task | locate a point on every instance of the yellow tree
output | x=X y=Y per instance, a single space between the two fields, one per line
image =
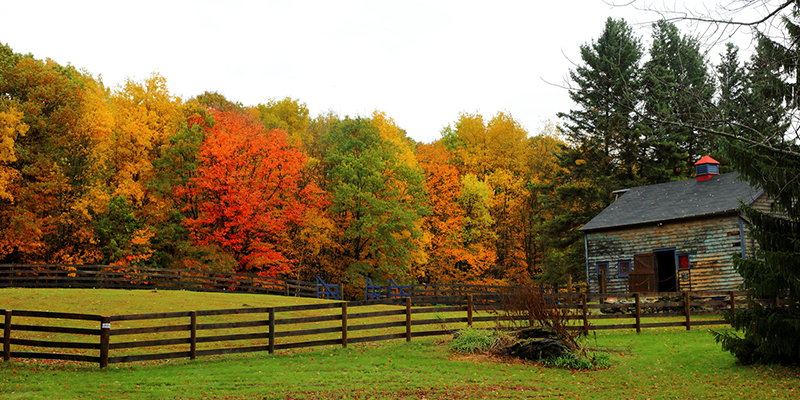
x=542 y=167
x=11 y=126
x=495 y=152
x=145 y=117
x=288 y=115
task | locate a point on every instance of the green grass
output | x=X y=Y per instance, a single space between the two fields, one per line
x=658 y=363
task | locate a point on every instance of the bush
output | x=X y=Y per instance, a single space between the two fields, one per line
x=472 y=340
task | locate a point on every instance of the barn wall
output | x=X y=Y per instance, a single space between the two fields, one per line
x=709 y=242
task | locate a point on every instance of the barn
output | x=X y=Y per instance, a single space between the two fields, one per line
x=674 y=236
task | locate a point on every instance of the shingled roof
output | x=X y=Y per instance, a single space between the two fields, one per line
x=675 y=200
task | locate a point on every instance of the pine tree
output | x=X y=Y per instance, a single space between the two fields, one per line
x=766 y=153
x=605 y=135
x=677 y=90
x=608 y=85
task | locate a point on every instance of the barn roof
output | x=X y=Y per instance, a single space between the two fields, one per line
x=675 y=200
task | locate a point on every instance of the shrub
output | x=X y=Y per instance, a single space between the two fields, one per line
x=530 y=304
x=472 y=340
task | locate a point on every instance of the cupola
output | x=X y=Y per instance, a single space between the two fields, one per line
x=705 y=168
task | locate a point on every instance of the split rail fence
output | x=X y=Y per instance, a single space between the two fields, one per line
x=190 y=334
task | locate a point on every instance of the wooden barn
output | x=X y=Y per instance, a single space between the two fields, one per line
x=672 y=236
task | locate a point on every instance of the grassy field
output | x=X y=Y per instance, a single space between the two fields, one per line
x=658 y=363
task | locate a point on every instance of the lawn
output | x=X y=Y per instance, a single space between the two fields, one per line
x=658 y=363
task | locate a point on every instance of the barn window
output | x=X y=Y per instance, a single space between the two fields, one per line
x=683 y=261
x=624 y=268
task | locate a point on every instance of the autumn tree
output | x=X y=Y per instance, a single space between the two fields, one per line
x=495 y=152
x=145 y=117
x=53 y=164
x=447 y=255
x=248 y=193
x=287 y=114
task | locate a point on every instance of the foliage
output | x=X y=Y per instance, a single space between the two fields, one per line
x=764 y=110
x=48 y=179
x=472 y=340
x=377 y=200
x=678 y=88
x=580 y=363
x=249 y=193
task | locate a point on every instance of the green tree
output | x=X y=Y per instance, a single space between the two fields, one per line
x=764 y=146
x=288 y=115
x=377 y=200
x=605 y=150
x=677 y=89
x=607 y=94
x=770 y=104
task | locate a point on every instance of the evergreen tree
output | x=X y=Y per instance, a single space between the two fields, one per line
x=605 y=135
x=764 y=149
x=608 y=84
x=677 y=90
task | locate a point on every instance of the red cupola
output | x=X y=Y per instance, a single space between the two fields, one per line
x=706 y=168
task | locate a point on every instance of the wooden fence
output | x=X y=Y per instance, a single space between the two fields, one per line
x=120 y=277
x=115 y=339
x=191 y=334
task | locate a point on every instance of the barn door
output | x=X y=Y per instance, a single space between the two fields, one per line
x=642 y=279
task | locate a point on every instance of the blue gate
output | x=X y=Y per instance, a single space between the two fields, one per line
x=372 y=292
x=326 y=291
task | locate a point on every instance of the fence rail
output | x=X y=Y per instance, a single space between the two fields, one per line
x=190 y=334
x=121 y=277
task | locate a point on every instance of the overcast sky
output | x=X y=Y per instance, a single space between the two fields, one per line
x=421 y=62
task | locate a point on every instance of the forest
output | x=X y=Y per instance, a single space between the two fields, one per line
x=134 y=175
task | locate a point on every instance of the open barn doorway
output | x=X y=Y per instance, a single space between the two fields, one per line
x=666 y=270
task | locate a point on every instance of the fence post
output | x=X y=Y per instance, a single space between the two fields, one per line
x=193 y=335
x=7 y=336
x=686 y=303
x=344 y=324
x=638 y=312
x=733 y=302
x=105 y=331
x=341 y=292
x=469 y=310
x=408 y=319
x=585 y=310
x=271 y=347
x=286 y=284
x=569 y=289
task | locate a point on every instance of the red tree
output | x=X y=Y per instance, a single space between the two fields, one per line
x=249 y=193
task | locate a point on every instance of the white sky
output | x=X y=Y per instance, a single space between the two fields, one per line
x=421 y=62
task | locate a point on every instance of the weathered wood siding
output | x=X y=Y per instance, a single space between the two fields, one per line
x=710 y=243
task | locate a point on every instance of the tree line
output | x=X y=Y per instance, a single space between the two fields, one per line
x=134 y=175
